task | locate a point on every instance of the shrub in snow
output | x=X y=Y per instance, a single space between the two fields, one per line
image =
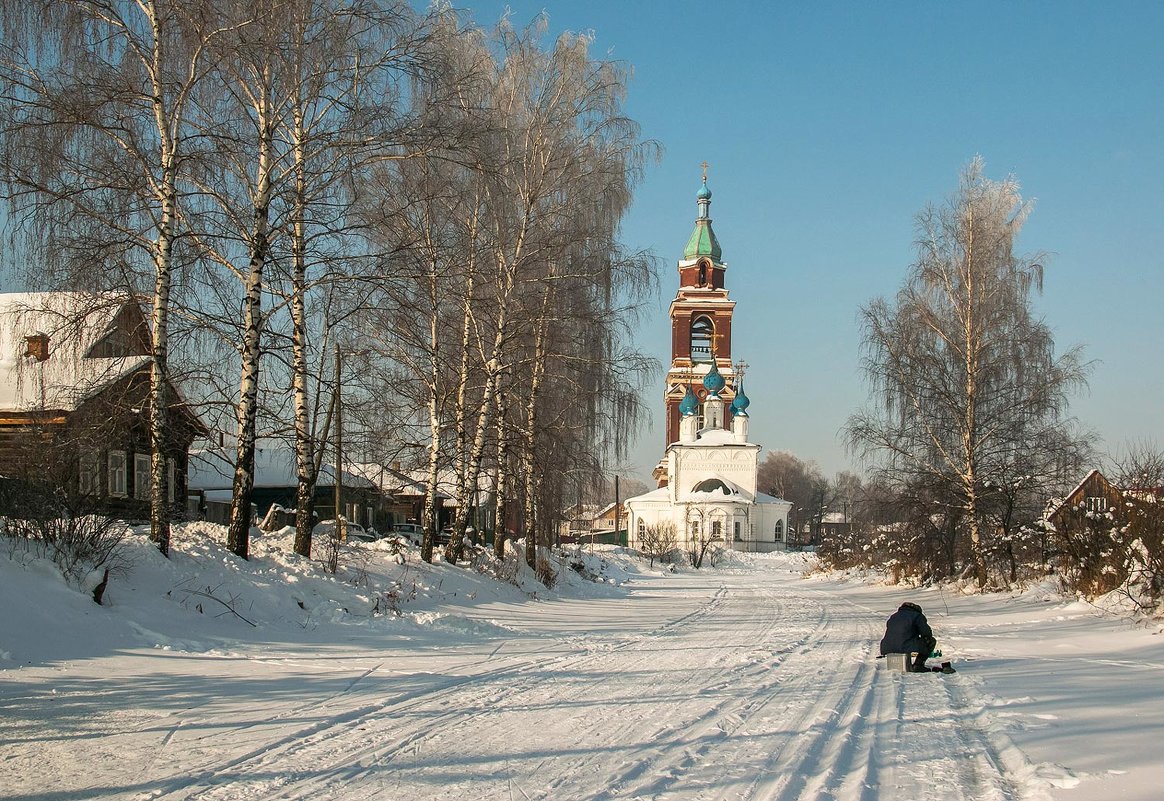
x=79 y=545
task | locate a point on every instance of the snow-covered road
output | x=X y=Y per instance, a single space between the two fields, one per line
x=746 y=683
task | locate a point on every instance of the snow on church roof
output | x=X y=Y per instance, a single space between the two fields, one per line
x=717 y=438
x=660 y=495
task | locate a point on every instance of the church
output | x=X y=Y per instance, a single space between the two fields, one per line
x=707 y=478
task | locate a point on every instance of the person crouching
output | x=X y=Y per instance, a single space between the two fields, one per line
x=908 y=630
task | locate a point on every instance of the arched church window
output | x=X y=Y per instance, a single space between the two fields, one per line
x=701 y=333
x=779 y=531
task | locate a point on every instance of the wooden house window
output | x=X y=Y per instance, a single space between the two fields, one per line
x=1096 y=503
x=117 y=475
x=88 y=481
x=141 y=476
x=171 y=480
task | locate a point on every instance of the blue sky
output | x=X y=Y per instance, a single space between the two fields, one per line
x=828 y=126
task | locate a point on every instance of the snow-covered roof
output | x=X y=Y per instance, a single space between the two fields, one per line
x=717 y=489
x=716 y=438
x=447 y=481
x=660 y=495
x=274 y=467
x=388 y=479
x=76 y=325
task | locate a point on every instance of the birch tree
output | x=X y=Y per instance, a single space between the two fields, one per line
x=343 y=61
x=569 y=160
x=963 y=375
x=96 y=102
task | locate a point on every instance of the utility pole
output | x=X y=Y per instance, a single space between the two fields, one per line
x=617 y=512
x=341 y=529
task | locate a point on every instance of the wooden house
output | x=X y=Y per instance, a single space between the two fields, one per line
x=1093 y=494
x=74 y=404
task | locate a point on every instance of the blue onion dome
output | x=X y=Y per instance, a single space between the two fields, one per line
x=689 y=405
x=704 y=193
x=741 y=403
x=713 y=382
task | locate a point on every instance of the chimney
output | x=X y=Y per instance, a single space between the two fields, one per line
x=37 y=346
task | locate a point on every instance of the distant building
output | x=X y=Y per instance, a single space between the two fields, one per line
x=707 y=477
x=276 y=484
x=1093 y=494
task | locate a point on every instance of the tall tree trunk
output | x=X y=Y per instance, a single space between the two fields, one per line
x=306 y=473
x=168 y=124
x=971 y=342
x=238 y=533
x=159 y=374
x=501 y=488
x=431 y=520
x=530 y=477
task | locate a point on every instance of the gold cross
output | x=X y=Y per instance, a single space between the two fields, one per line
x=704 y=166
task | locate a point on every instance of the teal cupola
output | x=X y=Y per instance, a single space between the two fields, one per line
x=703 y=241
x=713 y=382
x=740 y=403
x=689 y=405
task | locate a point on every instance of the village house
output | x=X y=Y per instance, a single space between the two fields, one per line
x=74 y=404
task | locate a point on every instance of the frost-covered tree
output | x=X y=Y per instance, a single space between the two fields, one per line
x=508 y=292
x=1141 y=478
x=964 y=377
x=94 y=123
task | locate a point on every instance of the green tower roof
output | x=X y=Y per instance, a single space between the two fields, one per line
x=703 y=241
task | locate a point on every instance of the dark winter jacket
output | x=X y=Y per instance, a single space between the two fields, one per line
x=906 y=631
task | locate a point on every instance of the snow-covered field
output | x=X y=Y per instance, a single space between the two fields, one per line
x=413 y=681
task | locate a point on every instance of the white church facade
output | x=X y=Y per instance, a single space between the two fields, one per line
x=708 y=475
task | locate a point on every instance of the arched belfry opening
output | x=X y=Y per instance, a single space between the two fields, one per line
x=702 y=338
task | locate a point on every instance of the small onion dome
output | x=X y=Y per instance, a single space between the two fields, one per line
x=689 y=405
x=713 y=382
x=704 y=193
x=741 y=403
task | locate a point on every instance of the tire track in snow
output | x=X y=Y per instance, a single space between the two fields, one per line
x=523 y=696
x=692 y=740
x=279 y=762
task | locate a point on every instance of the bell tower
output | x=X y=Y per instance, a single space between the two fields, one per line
x=701 y=323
